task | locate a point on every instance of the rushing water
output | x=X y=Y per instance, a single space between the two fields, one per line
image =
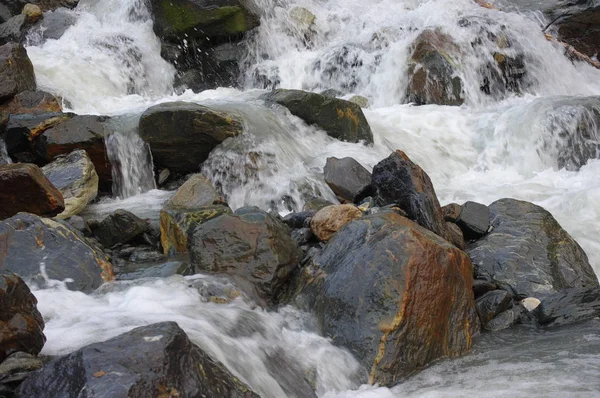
x=495 y=146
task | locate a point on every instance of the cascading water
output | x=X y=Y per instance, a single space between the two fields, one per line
x=4 y=158
x=536 y=142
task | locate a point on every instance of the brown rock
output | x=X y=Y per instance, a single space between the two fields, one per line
x=16 y=71
x=582 y=31
x=451 y=212
x=24 y=188
x=32 y=102
x=455 y=235
x=21 y=324
x=330 y=219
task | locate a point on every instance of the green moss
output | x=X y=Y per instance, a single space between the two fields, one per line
x=184 y=17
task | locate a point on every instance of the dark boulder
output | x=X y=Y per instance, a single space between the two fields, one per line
x=394 y=294
x=491 y=304
x=251 y=244
x=27 y=242
x=432 y=68
x=13 y=30
x=16 y=71
x=22 y=129
x=119 y=227
x=582 y=31
x=21 y=324
x=569 y=306
x=298 y=220
x=340 y=119
x=397 y=180
x=347 y=178
x=505 y=319
x=528 y=253
x=181 y=134
x=32 y=102
x=23 y=187
x=157 y=360
x=481 y=287
x=473 y=220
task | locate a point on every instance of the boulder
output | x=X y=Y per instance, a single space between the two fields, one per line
x=28 y=242
x=347 y=178
x=197 y=191
x=327 y=221
x=157 y=360
x=206 y=19
x=14 y=30
x=32 y=102
x=21 y=324
x=491 y=304
x=505 y=319
x=582 y=31
x=527 y=252
x=569 y=306
x=455 y=236
x=181 y=134
x=481 y=287
x=32 y=12
x=397 y=180
x=16 y=71
x=340 y=119
x=315 y=204
x=394 y=294
x=251 y=245
x=432 y=69
x=119 y=227
x=23 y=187
x=76 y=179
x=79 y=132
x=22 y=129
x=473 y=218
x=298 y=220
x=53 y=26
x=16 y=368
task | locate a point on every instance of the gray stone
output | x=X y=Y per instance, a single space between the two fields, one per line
x=569 y=306
x=491 y=304
x=474 y=220
x=119 y=227
x=16 y=71
x=347 y=178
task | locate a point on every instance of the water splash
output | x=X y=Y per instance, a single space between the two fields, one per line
x=4 y=158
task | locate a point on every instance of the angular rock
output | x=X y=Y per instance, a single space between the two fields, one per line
x=76 y=179
x=181 y=135
x=451 y=212
x=455 y=236
x=530 y=303
x=582 y=31
x=14 y=30
x=505 y=319
x=394 y=294
x=16 y=71
x=315 y=204
x=24 y=188
x=157 y=360
x=347 y=178
x=119 y=227
x=569 y=306
x=340 y=119
x=79 y=224
x=197 y=191
x=432 y=70
x=21 y=324
x=491 y=304
x=302 y=236
x=298 y=220
x=481 y=287
x=474 y=220
x=398 y=180
x=528 y=253
x=327 y=221
x=250 y=245
x=28 y=241
x=22 y=129
x=32 y=102
x=16 y=368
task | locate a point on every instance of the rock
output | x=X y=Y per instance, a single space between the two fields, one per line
x=451 y=212
x=22 y=129
x=302 y=17
x=79 y=224
x=157 y=360
x=302 y=236
x=14 y=30
x=16 y=71
x=76 y=179
x=23 y=187
x=315 y=204
x=181 y=135
x=569 y=306
x=21 y=324
x=582 y=31
x=26 y=241
x=474 y=220
x=79 y=132
x=481 y=287
x=298 y=220
x=338 y=118
x=394 y=294
x=432 y=68
x=163 y=176
x=32 y=102
x=197 y=191
x=178 y=224
x=359 y=100
x=53 y=26
x=32 y=12
x=15 y=369
x=398 y=180
x=347 y=178
x=250 y=245
x=528 y=253
x=491 y=304
x=505 y=320
x=455 y=236
x=327 y=221
x=530 y=303
x=119 y=227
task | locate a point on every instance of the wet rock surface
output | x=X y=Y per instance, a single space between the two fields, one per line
x=347 y=178
x=119 y=227
x=16 y=71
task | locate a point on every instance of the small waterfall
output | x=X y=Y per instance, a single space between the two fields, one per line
x=4 y=158
x=131 y=164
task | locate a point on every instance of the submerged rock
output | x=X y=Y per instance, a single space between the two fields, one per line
x=340 y=119
x=347 y=178
x=181 y=134
x=528 y=253
x=23 y=187
x=76 y=179
x=16 y=71
x=327 y=221
x=157 y=360
x=28 y=242
x=21 y=324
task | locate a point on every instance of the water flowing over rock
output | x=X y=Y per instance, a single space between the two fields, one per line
x=21 y=324
x=76 y=179
x=340 y=119
x=528 y=253
x=38 y=249
x=181 y=135
x=157 y=360
x=23 y=187
x=395 y=294
x=16 y=71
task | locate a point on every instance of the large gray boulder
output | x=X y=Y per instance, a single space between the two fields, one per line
x=16 y=71
x=347 y=178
